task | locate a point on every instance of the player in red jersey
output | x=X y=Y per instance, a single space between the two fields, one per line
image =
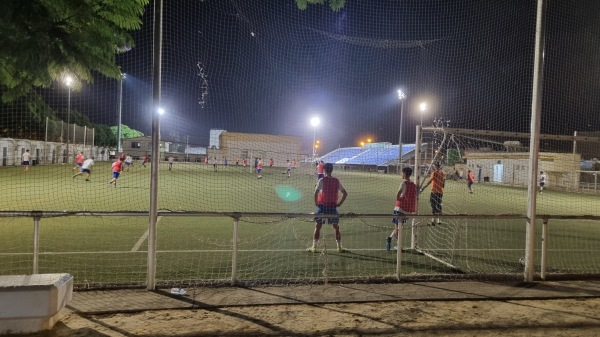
x=78 y=161
x=406 y=203
x=326 y=200
x=117 y=167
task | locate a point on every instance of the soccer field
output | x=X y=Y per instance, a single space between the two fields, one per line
x=112 y=250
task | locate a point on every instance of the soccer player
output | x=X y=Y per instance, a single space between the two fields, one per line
x=289 y=169
x=326 y=199
x=145 y=160
x=128 y=162
x=543 y=180
x=225 y=162
x=437 y=180
x=406 y=203
x=170 y=160
x=470 y=181
x=271 y=162
x=117 y=168
x=294 y=163
x=259 y=166
x=86 y=167
x=213 y=161
x=244 y=163
x=320 y=170
x=78 y=161
x=206 y=160
x=25 y=160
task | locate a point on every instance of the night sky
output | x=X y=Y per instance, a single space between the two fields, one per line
x=268 y=67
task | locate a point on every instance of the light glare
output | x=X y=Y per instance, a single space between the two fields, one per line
x=315 y=121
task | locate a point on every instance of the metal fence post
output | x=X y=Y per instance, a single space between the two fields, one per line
x=544 y=249
x=36 y=243
x=399 y=251
x=236 y=221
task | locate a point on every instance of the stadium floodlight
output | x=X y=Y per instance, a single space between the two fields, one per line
x=315 y=121
x=401 y=97
x=161 y=111
x=423 y=109
x=119 y=134
x=68 y=82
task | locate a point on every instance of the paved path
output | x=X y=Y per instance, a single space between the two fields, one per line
x=115 y=301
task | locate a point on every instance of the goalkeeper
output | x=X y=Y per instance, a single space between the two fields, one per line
x=406 y=202
x=437 y=179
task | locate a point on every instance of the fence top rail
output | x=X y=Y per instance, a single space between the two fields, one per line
x=237 y=215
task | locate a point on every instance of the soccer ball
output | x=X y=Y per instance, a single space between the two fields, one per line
x=522 y=261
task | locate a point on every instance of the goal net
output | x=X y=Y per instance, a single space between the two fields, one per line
x=486 y=174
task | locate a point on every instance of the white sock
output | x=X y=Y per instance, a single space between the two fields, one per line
x=315 y=243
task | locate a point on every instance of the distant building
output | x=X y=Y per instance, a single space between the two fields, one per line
x=235 y=145
x=512 y=168
x=138 y=147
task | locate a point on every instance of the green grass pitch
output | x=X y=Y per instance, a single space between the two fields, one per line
x=107 y=250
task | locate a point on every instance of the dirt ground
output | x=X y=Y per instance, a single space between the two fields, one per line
x=550 y=317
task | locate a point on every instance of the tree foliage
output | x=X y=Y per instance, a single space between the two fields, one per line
x=335 y=5
x=103 y=135
x=44 y=40
x=126 y=132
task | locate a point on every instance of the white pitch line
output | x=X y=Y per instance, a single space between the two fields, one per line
x=138 y=244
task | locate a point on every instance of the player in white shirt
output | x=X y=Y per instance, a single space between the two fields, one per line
x=543 y=180
x=26 y=159
x=128 y=162
x=86 y=167
x=171 y=159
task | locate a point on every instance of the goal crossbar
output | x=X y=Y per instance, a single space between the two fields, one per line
x=511 y=134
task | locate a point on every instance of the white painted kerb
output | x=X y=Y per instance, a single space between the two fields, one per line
x=31 y=303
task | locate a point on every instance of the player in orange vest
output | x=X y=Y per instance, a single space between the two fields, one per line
x=437 y=180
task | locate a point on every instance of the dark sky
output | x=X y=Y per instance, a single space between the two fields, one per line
x=268 y=67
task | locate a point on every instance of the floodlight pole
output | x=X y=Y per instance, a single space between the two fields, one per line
x=156 y=92
x=313 y=143
x=402 y=97
x=315 y=121
x=119 y=134
x=68 y=121
x=534 y=147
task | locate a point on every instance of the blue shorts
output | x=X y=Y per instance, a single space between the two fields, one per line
x=320 y=175
x=79 y=164
x=395 y=220
x=258 y=170
x=26 y=163
x=87 y=170
x=127 y=163
x=326 y=210
x=115 y=174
